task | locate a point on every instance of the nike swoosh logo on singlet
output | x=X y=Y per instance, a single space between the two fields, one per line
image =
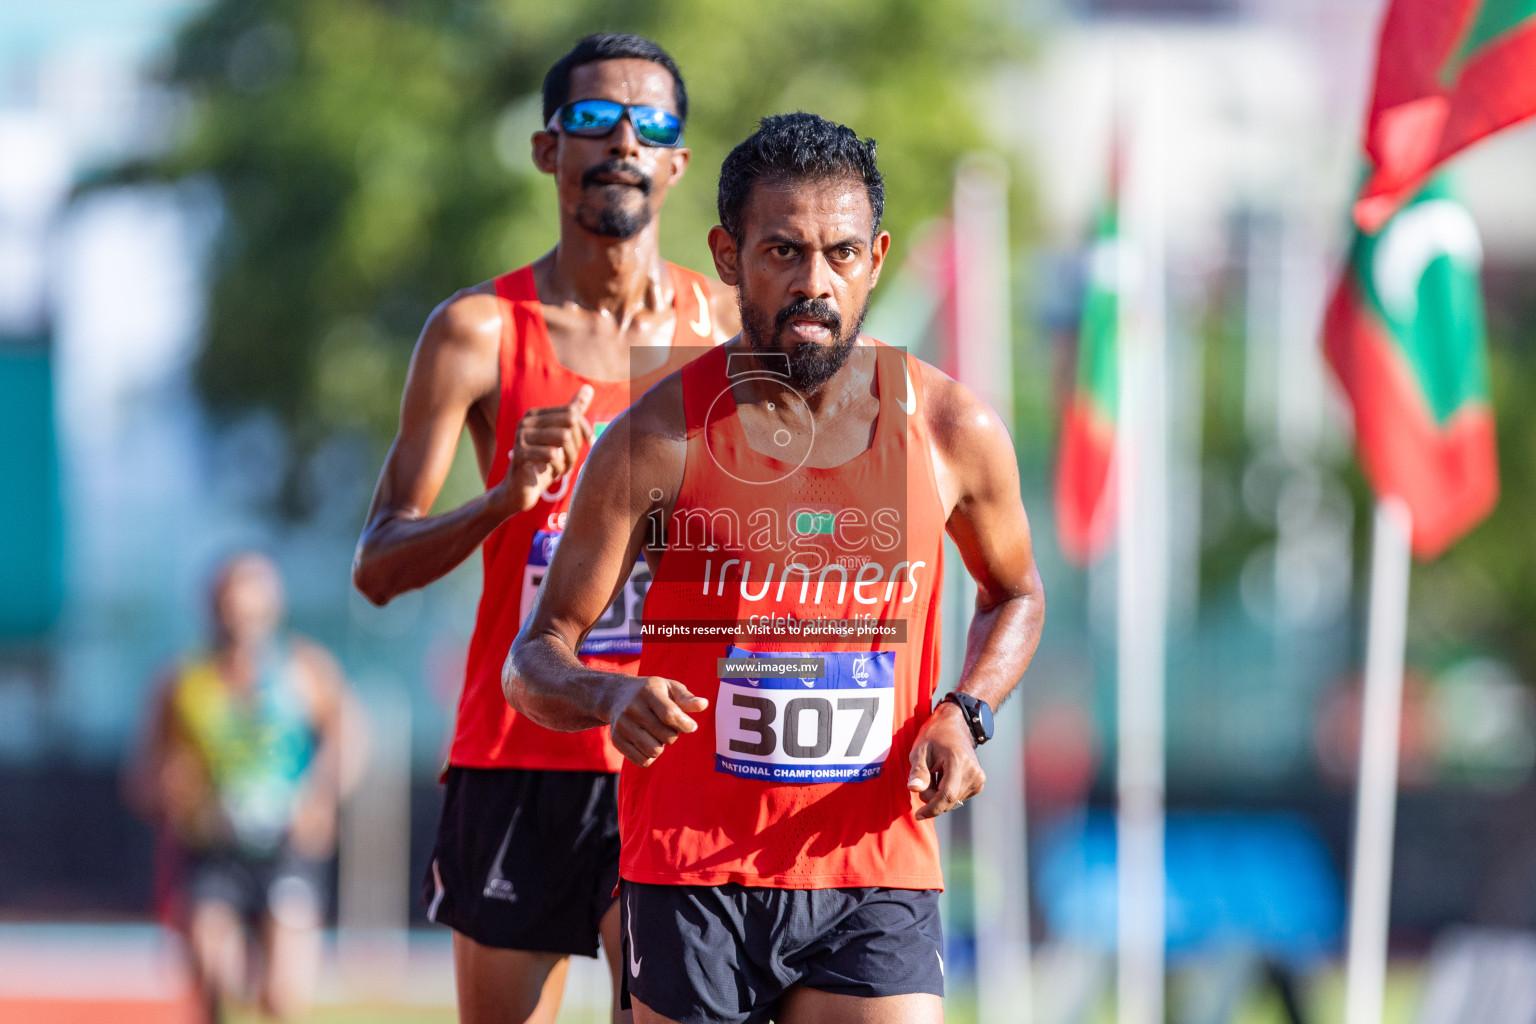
x=701 y=326
x=910 y=405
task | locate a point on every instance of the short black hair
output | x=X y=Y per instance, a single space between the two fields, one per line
x=608 y=46
x=797 y=147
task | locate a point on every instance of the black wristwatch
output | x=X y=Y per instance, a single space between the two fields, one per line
x=977 y=712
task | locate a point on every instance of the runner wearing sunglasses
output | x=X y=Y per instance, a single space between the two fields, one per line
x=535 y=363
x=595 y=119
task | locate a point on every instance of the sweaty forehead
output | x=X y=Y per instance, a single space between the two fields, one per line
x=827 y=209
x=626 y=80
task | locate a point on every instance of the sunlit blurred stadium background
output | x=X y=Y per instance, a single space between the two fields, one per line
x=222 y=224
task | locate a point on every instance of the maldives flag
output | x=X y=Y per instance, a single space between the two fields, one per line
x=1085 y=493
x=1404 y=333
x=1448 y=72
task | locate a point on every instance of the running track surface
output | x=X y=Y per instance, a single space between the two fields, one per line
x=52 y=973
x=97 y=1011
x=74 y=974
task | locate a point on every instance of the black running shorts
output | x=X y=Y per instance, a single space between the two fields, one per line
x=525 y=859
x=727 y=954
x=289 y=888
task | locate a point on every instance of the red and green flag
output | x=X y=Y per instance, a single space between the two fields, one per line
x=1405 y=335
x=1085 y=492
x=1448 y=72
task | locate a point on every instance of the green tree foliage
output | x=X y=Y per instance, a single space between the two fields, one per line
x=373 y=156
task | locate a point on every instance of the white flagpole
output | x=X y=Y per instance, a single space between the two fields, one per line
x=1376 y=800
x=374 y=849
x=1001 y=878
x=983 y=311
x=1142 y=478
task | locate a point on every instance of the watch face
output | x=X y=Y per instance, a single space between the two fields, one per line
x=984 y=717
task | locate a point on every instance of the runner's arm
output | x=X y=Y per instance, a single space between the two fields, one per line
x=142 y=770
x=341 y=729
x=991 y=530
x=988 y=524
x=167 y=782
x=340 y=750
x=610 y=512
x=456 y=366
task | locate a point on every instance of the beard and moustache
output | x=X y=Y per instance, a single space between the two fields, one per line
x=622 y=211
x=810 y=365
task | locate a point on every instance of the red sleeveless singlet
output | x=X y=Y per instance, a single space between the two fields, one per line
x=793 y=781
x=488 y=733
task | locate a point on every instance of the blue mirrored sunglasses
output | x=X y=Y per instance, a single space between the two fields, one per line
x=593 y=119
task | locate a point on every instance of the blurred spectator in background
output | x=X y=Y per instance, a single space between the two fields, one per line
x=241 y=767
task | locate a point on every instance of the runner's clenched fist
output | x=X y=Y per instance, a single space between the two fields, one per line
x=549 y=441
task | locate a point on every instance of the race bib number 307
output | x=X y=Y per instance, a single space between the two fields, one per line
x=820 y=716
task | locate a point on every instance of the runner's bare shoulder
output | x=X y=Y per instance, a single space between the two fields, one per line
x=973 y=448
x=460 y=344
x=955 y=415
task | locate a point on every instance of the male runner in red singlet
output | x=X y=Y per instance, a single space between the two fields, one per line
x=790 y=491
x=535 y=363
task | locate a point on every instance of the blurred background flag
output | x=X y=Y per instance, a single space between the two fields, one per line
x=1085 y=513
x=1449 y=72
x=1405 y=335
